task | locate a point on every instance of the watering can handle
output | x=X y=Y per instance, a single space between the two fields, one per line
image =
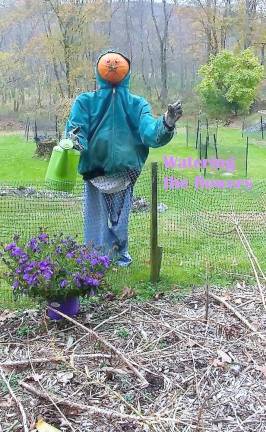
x=74 y=138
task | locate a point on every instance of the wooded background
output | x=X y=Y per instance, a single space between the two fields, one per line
x=48 y=48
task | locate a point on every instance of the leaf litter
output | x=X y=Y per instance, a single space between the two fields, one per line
x=204 y=373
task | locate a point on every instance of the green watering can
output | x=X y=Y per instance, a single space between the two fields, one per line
x=63 y=165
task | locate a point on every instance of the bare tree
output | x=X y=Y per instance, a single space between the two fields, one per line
x=163 y=38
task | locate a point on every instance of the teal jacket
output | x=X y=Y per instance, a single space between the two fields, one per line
x=117 y=129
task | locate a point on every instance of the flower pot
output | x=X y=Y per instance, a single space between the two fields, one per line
x=69 y=306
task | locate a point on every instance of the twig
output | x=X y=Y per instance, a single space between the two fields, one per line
x=48 y=396
x=23 y=414
x=98 y=326
x=247 y=249
x=111 y=318
x=28 y=362
x=94 y=409
x=106 y=344
x=238 y=315
x=251 y=252
x=251 y=256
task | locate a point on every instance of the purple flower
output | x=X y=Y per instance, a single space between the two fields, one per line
x=44 y=264
x=17 y=252
x=43 y=237
x=30 y=266
x=90 y=281
x=70 y=255
x=105 y=260
x=77 y=280
x=58 y=250
x=95 y=261
x=29 y=278
x=63 y=283
x=15 y=284
x=33 y=245
x=23 y=259
x=10 y=246
x=47 y=274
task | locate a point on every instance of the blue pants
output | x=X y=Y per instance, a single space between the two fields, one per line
x=106 y=219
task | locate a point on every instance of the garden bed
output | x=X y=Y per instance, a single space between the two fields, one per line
x=177 y=363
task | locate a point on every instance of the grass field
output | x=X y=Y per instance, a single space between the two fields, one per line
x=192 y=231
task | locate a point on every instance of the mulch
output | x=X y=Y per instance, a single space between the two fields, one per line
x=203 y=366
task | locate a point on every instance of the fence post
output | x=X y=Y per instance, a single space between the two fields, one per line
x=35 y=131
x=200 y=150
x=187 y=133
x=206 y=153
x=155 y=250
x=197 y=133
x=28 y=130
x=215 y=146
x=243 y=128
x=247 y=157
x=56 y=127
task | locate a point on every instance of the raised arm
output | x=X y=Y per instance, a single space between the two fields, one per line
x=157 y=132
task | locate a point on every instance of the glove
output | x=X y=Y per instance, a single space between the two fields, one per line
x=173 y=114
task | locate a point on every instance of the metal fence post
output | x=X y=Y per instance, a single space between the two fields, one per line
x=155 y=250
x=246 y=167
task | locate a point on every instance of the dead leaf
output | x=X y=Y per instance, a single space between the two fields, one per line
x=110 y=296
x=191 y=343
x=127 y=293
x=70 y=342
x=42 y=426
x=158 y=295
x=225 y=358
x=36 y=377
x=64 y=377
x=6 y=314
x=217 y=363
x=262 y=369
x=6 y=402
x=238 y=301
x=226 y=297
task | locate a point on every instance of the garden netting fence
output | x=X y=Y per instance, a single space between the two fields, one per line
x=196 y=227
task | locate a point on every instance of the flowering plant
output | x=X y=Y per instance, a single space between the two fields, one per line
x=53 y=268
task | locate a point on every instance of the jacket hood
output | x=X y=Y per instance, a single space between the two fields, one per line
x=102 y=83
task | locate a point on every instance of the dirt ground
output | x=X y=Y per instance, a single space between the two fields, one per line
x=177 y=363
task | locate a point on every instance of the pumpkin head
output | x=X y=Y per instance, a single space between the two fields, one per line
x=113 y=67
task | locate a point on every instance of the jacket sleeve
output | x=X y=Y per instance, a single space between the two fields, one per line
x=79 y=116
x=152 y=131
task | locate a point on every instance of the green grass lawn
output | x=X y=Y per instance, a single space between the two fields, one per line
x=189 y=237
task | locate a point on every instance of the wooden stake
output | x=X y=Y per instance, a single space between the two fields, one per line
x=155 y=251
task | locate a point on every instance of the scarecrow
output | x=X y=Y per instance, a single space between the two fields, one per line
x=116 y=130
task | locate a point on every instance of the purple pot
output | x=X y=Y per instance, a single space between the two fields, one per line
x=69 y=306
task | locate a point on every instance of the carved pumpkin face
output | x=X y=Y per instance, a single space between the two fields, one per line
x=113 y=67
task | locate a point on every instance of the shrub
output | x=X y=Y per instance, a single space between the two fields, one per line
x=229 y=83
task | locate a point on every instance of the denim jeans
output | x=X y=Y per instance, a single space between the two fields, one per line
x=106 y=219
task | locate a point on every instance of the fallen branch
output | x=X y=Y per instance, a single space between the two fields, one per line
x=95 y=409
x=19 y=404
x=107 y=345
x=238 y=315
x=57 y=359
